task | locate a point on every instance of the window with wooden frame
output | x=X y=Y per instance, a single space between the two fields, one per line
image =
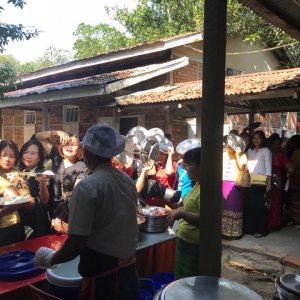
x=29 y=117
x=71 y=114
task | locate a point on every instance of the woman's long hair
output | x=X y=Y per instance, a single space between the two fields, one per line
x=262 y=137
x=13 y=146
x=40 y=153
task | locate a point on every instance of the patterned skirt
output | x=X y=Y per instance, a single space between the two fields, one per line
x=294 y=203
x=232 y=218
x=186 y=263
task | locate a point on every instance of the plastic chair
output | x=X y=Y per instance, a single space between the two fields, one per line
x=37 y=294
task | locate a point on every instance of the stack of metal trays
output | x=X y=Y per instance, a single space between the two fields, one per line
x=156 y=219
x=288 y=286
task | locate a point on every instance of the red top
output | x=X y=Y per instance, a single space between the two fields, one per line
x=279 y=160
x=51 y=241
x=169 y=181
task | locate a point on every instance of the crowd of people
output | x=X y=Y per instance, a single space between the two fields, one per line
x=24 y=173
x=261 y=181
x=269 y=196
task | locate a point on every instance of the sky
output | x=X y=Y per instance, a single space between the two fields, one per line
x=57 y=19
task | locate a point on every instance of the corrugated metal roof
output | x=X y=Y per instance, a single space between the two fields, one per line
x=87 y=81
x=117 y=55
x=248 y=84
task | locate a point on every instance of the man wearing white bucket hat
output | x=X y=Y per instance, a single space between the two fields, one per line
x=102 y=223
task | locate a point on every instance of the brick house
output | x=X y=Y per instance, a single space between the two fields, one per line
x=76 y=95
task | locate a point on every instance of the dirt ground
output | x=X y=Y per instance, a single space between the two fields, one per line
x=256 y=271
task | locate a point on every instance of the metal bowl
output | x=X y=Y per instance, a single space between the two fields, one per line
x=187 y=145
x=155 y=131
x=236 y=143
x=124 y=158
x=140 y=132
x=149 y=149
x=131 y=144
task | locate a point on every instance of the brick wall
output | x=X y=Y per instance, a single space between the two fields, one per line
x=240 y=121
x=192 y=72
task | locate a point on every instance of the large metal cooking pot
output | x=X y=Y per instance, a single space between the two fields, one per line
x=288 y=286
x=206 y=287
x=156 y=219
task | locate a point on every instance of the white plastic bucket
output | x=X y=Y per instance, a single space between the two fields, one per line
x=65 y=279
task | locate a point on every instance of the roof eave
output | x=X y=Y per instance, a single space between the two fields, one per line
x=115 y=56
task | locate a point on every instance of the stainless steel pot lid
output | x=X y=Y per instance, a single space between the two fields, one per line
x=291 y=282
x=208 y=288
x=140 y=132
x=187 y=145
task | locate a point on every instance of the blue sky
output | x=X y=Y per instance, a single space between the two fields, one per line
x=57 y=19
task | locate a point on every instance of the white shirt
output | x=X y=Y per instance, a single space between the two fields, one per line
x=260 y=162
x=103 y=207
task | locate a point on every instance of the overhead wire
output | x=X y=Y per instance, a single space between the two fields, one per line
x=249 y=52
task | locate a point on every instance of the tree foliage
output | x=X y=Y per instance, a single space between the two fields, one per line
x=152 y=19
x=93 y=40
x=14 y=32
x=9 y=67
x=51 y=57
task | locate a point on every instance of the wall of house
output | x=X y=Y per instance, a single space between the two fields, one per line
x=238 y=59
x=249 y=62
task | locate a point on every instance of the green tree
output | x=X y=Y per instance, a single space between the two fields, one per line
x=93 y=40
x=13 y=32
x=8 y=72
x=154 y=19
x=51 y=57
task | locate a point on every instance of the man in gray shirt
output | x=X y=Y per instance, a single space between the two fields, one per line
x=102 y=223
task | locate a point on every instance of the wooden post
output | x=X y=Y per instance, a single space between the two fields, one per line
x=251 y=121
x=1 y=124
x=45 y=107
x=211 y=203
x=168 y=121
x=198 y=120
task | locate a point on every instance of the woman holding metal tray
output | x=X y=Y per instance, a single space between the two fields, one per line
x=37 y=180
x=66 y=154
x=11 y=185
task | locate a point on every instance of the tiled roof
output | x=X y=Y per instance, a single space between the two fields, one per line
x=248 y=84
